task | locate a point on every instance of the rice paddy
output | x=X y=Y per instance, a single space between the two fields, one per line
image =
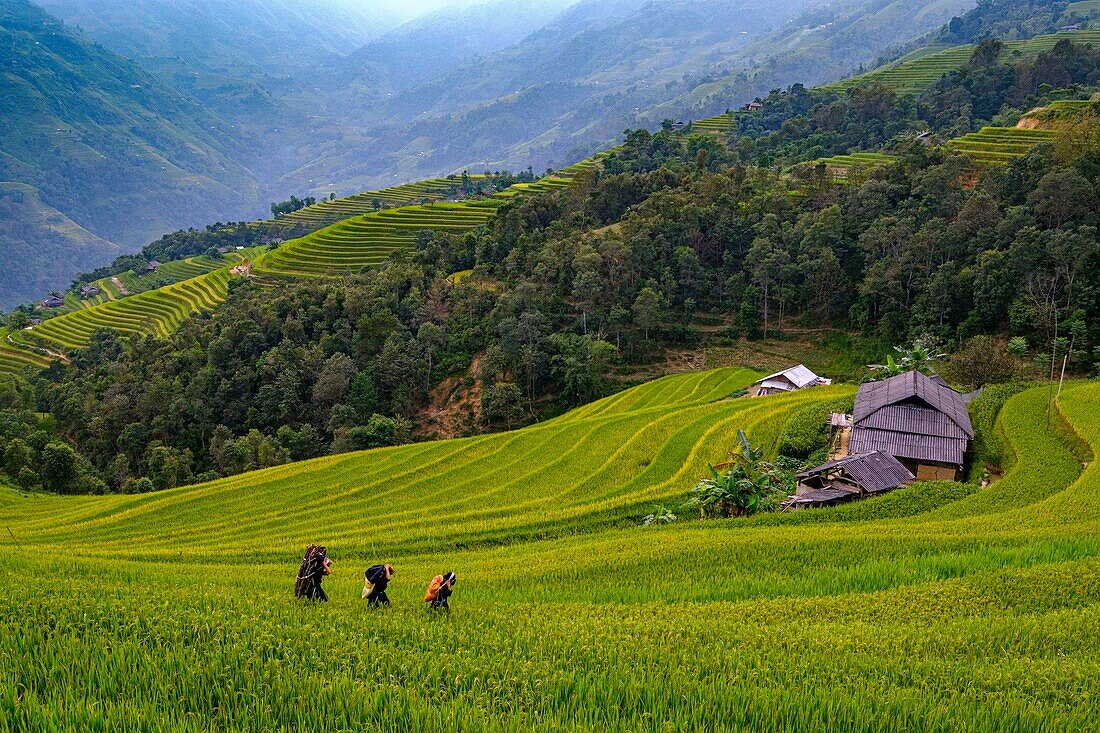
x=994 y=145
x=718 y=124
x=840 y=168
x=926 y=611
x=155 y=312
x=910 y=75
x=331 y=211
x=200 y=283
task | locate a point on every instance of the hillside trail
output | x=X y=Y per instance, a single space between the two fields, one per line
x=55 y=354
x=122 y=290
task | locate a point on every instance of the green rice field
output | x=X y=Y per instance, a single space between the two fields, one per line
x=993 y=145
x=156 y=312
x=969 y=609
x=910 y=75
x=200 y=283
x=840 y=167
x=328 y=212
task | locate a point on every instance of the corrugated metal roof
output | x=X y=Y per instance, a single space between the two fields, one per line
x=909 y=445
x=910 y=386
x=816 y=495
x=914 y=418
x=873 y=470
x=798 y=375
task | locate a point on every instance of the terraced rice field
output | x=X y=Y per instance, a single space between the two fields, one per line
x=328 y=212
x=719 y=124
x=925 y=610
x=348 y=246
x=14 y=359
x=840 y=167
x=911 y=75
x=156 y=312
x=992 y=145
x=366 y=241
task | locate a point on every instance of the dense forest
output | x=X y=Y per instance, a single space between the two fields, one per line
x=612 y=270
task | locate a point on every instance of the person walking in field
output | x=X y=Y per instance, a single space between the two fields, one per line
x=375 y=582
x=316 y=564
x=439 y=591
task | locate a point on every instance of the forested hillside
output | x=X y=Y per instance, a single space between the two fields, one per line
x=669 y=232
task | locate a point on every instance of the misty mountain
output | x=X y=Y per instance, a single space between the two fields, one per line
x=236 y=58
x=103 y=144
x=435 y=43
x=597 y=68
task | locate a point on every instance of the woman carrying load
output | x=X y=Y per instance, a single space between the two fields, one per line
x=375 y=582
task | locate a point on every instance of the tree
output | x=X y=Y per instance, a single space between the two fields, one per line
x=502 y=402
x=363 y=397
x=981 y=361
x=431 y=338
x=1063 y=196
x=647 y=310
x=921 y=357
x=58 y=467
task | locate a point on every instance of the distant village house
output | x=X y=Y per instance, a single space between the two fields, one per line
x=152 y=266
x=796 y=377
x=89 y=291
x=753 y=107
x=54 y=301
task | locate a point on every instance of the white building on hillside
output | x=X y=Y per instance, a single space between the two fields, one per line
x=797 y=377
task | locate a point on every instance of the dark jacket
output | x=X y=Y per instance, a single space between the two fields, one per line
x=376 y=575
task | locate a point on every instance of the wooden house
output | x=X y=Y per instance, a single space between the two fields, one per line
x=852 y=477
x=54 y=301
x=152 y=266
x=796 y=377
x=753 y=107
x=89 y=291
x=917 y=419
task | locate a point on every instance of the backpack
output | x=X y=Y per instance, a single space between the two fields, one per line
x=433 y=589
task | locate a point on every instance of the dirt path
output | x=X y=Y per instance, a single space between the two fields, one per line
x=50 y=352
x=118 y=284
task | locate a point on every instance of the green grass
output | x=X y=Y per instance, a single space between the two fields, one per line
x=938 y=608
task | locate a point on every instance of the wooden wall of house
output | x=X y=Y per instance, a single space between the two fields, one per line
x=928 y=472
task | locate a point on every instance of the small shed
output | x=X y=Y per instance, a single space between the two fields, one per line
x=796 y=377
x=853 y=477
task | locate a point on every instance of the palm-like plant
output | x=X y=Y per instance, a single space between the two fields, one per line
x=749 y=485
x=920 y=357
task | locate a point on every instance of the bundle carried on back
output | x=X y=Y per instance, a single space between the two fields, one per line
x=312 y=565
x=433 y=589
